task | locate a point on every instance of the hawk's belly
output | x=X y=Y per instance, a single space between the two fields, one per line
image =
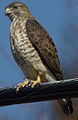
x=25 y=55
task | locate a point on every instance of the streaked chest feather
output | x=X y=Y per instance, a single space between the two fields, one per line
x=23 y=51
x=20 y=41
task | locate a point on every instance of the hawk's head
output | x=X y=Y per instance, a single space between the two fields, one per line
x=16 y=9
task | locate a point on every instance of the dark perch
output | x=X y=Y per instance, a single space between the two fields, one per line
x=42 y=92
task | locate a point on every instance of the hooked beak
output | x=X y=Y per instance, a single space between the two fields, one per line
x=7 y=11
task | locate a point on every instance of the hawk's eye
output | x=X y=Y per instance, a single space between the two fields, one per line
x=15 y=7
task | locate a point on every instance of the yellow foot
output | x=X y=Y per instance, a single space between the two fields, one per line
x=22 y=85
x=33 y=83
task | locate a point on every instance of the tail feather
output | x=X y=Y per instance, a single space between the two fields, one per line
x=66 y=105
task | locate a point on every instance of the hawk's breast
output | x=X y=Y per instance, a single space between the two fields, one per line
x=24 y=53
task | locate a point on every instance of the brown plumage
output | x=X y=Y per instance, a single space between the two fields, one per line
x=34 y=49
x=45 y=47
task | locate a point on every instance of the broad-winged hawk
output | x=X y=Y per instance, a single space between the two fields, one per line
x=34 y=50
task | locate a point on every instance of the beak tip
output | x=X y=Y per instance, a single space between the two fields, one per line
x=7 y=11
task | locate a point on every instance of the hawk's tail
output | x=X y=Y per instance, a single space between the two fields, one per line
x=66 y=105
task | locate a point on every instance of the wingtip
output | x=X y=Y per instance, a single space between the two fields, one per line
x=66 y=105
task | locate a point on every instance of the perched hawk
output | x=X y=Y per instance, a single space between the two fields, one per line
x=33 y=50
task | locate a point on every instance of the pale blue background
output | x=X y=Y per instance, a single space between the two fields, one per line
x=60 y=19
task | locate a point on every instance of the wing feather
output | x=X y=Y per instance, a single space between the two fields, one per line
x=45 y=47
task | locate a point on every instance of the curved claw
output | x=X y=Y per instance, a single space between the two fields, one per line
x=26 y=82
x=22 y=85
x=33 y=83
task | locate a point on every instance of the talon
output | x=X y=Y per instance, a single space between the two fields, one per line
x=33 y=83
x=22 y=85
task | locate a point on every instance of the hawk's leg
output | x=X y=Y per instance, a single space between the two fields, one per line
x=33 y=83
x=22 y=85
x=26 y=82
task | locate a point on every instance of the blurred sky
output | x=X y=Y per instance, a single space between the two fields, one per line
x=60 y=19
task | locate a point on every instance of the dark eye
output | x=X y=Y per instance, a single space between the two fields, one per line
x=14 y=7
